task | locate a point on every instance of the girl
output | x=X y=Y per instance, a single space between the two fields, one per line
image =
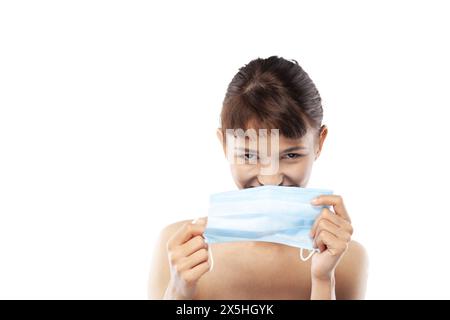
x=272 y=93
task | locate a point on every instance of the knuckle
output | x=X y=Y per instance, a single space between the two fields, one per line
x=349 y=227
x=327 y=235
x=200 y=241
x=204 y=253
x=188 y=278
x=174 y=256
x=348 y=237
x=319 y=235
x=322 y=224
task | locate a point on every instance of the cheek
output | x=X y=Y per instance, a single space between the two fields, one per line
x=299 y=172
x=243 y=173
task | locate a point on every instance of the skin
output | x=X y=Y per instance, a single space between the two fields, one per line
x=185 y=267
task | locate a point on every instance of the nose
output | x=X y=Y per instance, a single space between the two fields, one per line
x=276 y=180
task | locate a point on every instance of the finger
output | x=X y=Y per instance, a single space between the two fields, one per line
x=193 y=260
x=334 y=246
x=324 y=240
x=345 y=227
x=326 y=214
x=186 y=232
x=337 y=220
x=333 y=200
x=195 y=273
x=337 y=247
x=314 y=227
x=327 y=225
x=340 y=233
x=192 y=245
x=319 y=244
x=201 y=220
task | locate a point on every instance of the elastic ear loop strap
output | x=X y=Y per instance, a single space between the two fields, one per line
x=209 y=247
x=311 y=252
x=210 y=257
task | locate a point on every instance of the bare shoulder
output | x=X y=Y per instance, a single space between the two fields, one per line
x=352 y=273
x=356 y=251
x=159 y=270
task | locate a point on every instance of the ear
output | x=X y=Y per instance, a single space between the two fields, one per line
x=220 y=136
x=322 y=136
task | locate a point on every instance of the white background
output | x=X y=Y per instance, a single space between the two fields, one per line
x=108 y=112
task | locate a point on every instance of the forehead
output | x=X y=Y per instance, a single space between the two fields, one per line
x=255 y=137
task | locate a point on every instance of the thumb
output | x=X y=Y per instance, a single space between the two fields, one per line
x=201 y=220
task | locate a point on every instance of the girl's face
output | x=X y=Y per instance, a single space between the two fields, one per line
x=294 y=157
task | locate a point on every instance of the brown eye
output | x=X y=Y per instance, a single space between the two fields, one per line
x=248 y=156
x=292 y=155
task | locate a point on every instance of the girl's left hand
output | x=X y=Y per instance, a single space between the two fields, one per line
x=332 y=234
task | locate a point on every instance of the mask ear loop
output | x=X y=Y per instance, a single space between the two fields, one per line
x=311 y=252
x=314 y=250
x=209 y=248
x=211 y=258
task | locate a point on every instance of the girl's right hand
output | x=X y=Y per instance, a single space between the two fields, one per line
x=188 y=259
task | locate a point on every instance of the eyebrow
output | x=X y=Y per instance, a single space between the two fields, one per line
x=284 y=151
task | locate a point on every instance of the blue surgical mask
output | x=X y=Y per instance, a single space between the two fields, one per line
x=268 y=213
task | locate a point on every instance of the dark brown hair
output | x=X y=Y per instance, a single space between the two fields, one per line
x=272 y=93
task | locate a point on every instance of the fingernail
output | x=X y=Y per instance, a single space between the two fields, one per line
x=315 y=201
